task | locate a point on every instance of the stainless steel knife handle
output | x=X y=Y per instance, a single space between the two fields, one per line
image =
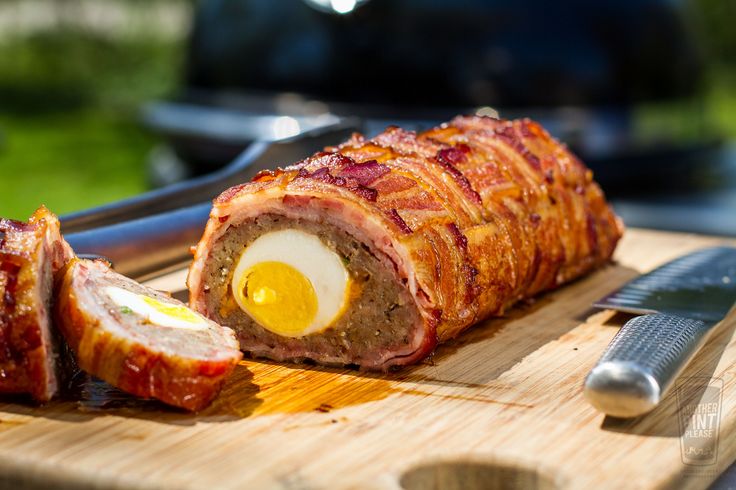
x=641 y=363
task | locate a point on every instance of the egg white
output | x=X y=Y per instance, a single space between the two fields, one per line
x=313 y=259
x=135 y=302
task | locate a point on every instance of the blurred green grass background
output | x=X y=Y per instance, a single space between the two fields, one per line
x=70 y=96
x=70 y=134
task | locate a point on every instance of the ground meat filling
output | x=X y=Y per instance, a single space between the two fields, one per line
x=381 y=318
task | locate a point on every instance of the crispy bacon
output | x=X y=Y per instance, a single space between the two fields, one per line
x=447 y=157
x=520 y=214
x=267 y=175
x=354 y=177
x=398 y=220
x=366 y=193
x=230 y=193
x=460 y=239
x=30 y=253
x=471 y=288
x=509 y=136
x=364 y=173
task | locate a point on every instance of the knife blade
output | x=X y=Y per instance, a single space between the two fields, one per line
x=681 y=303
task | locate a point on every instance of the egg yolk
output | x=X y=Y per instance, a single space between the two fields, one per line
x=278 y=297
x=173 y=311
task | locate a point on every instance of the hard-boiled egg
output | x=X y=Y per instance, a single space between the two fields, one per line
x=155 y=311
x=291 y=283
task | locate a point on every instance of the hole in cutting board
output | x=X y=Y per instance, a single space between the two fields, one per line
x=449 y=475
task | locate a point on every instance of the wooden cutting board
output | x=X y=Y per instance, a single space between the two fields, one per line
x=500 y=405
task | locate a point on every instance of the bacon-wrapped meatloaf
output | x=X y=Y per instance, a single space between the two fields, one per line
x=373 y=252
x=30 y=254
x=141 y=340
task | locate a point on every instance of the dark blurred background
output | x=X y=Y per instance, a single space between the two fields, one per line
x=103 y=99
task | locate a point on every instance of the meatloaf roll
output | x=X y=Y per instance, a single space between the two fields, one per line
x=30 y=350
x=373 y=252
x=141 y=340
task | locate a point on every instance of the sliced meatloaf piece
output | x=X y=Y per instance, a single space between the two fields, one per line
x=30 y=350
x=141 y=340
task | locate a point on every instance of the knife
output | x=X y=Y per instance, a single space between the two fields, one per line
x=680 y=302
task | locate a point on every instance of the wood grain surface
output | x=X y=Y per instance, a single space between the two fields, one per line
x=499 y=406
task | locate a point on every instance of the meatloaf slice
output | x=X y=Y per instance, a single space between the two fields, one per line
x=30 y=253
x=141 y=340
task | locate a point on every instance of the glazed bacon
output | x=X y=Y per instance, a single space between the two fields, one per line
x=475 y=215
x=31 y=359
x=364 y=173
